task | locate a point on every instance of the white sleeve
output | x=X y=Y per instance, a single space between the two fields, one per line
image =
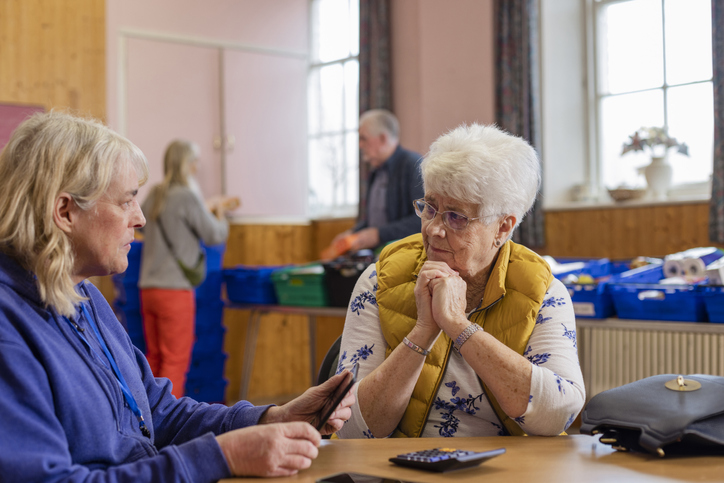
x=362 y=343
x=557 y=393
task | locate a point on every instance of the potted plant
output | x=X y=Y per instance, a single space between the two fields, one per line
x=657 y=142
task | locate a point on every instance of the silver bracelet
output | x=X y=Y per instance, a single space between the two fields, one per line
x=465 y=335
x=415 y=347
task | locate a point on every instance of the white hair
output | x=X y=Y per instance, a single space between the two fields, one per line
x=379 y=121
x=485 y=166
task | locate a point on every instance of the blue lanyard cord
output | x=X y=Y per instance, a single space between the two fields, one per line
x=119 y=376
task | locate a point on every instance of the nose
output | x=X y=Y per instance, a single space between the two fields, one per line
x=138 y=220
x=435 y=227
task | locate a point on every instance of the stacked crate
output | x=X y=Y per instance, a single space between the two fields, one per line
x=205 y=380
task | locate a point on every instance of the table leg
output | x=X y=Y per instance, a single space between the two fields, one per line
x=252 y=333
x=312 y=321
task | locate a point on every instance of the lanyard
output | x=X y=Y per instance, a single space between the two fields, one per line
x=119 y=376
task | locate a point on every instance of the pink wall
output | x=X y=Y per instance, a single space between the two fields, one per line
x=443 y=61
x=164 y=61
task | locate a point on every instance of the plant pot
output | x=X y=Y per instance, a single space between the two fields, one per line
x=658 y=177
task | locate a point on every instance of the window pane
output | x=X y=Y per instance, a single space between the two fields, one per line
x=691 y=120
x=351 y=91
x=314 y=102
x=353 y=27
x=621 y=116
x=326 y=168
x=332 y=37
x=630 y=46
x=331 y=90
x=352 y=179
x=688 y=41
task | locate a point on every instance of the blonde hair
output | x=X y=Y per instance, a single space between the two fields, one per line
x=180 y=154
x=48 y=154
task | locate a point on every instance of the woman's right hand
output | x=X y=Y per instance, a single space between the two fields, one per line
x=423 y=293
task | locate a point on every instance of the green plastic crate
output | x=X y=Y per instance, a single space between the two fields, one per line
x=303 y=285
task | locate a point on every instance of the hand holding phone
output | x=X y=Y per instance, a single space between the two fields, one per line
x=336 y=397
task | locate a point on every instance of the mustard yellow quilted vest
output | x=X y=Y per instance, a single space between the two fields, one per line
x=516 y=287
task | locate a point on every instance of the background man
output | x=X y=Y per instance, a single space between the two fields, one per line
x=393 y=184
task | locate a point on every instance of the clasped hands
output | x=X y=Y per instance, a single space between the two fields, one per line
x=440 y=295
x=285 y=441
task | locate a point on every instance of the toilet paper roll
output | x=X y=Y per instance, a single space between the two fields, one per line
x=694 y=267
x=673 y=268
x=716 y=275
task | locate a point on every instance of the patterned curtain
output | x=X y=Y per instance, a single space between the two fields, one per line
x=716 y=206
x=375 y=83
x=517 y=106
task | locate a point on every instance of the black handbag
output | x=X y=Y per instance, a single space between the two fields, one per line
x=196 y=274
x=664 y=414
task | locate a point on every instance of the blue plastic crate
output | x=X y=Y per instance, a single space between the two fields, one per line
x=208 y=341
x=209 y=314
x=713 y=296
x=210 y=289
x=250 y=284
x=638 y=295
x=592 y=300
x=208 y=368
x=206 y=391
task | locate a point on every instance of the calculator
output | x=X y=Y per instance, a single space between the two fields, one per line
x=444 y=459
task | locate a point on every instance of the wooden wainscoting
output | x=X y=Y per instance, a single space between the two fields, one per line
x=281 y=363
x=52 y=53
x=627 y=232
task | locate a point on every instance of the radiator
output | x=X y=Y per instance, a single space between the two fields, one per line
x=614 y=352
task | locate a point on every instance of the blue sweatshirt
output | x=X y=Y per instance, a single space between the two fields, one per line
x=63 y=416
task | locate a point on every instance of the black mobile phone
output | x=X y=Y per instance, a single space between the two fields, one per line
x=357 y=478
x=333 y=400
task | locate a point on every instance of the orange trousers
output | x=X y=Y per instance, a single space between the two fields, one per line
x=168 y=325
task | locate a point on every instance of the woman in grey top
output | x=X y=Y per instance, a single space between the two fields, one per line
x=178 y=219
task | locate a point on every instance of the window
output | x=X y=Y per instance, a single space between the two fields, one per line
x=333 y=106
x=653 y=61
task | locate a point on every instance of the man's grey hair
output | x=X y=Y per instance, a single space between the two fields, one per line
x=379 y=121
x=485 y=166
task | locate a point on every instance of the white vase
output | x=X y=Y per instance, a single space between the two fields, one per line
x=658 y=177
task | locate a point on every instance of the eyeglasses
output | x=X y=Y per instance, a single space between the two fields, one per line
x=451 y=219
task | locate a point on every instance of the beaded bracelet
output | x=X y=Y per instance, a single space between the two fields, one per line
x=415 y=347
x=465 y=335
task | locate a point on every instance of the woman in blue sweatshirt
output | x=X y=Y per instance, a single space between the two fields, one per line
x=77 y=401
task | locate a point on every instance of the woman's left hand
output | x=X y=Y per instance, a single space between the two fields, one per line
x=448 y=303
x=310 y=405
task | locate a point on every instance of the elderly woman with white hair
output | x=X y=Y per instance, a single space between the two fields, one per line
x=458 y=331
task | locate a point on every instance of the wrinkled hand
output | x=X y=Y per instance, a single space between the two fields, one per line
x=366 y=238
x=270 y=450
x=430 y=274
x=448 y=303
x=337 y=239
x=309 y=406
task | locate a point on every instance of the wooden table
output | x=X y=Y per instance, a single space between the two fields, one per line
x=562 y=459
x=252 y=333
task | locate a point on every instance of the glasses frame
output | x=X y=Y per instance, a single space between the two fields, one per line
x=419 y=211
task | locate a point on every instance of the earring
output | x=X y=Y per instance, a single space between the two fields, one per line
x=496 y=243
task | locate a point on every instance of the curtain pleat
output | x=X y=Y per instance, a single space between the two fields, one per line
x=716 y=205
x=517 y=104
x=375 y=83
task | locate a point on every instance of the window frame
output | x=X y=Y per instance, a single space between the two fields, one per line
x=346 y=210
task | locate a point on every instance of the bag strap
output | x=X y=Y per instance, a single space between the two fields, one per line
x=168 y=242
x=165 y=238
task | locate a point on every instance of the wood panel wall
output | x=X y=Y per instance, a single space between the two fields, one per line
x=627 y=232
x=52 y=53
x=281 y=363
